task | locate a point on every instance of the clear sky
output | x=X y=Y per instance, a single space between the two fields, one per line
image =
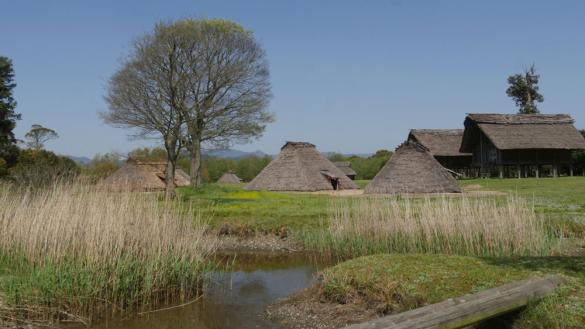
x=349 y=76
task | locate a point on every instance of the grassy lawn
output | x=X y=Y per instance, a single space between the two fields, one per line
x=270 y=211
x=555 y=195
x=259 y=210
x=394 y=283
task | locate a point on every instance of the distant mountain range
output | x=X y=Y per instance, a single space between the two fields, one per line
x=231 y=154
x=226 y=154
x=79 y=160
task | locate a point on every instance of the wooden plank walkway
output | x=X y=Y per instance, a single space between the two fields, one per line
x=469 y=309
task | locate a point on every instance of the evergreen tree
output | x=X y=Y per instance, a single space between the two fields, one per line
x=8 y=149
x=524 y=90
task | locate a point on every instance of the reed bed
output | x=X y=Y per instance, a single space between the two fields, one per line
x=75 y=253
x=447 y=225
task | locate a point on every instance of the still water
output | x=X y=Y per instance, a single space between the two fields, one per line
x=236 y=298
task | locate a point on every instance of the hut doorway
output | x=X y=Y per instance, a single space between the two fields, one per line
x=334 y=180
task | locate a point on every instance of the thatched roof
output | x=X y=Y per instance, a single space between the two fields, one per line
x=138 y=175
x=412 y=169
x=345 y=166
x=229 y=177
x=300 y=167
x=440 y=142
x=523 y=131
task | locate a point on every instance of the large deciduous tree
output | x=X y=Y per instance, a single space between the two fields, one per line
x=195 y=82
x=524 y=90
x=147 y=94
x=39 y=135
x=8 y=117
x=228 y=85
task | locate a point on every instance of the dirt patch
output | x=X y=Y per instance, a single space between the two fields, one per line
x=308 y=309
x=257 y=242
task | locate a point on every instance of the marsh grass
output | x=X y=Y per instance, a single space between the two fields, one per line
x=447 y=225
x=74 y=253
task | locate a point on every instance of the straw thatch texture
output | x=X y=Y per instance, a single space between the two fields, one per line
x=523 y=131
x=300 y=167
x=440 y=142
x=229 y=178
x=346 y=168
x=412 y=169
x=143 y=176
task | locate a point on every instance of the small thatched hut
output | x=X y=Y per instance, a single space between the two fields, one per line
x=229 y=177
x=444 y=145
x=345 y=166
x=412 y=169
x=144 y=176
x=521 y=145
x=300 y=167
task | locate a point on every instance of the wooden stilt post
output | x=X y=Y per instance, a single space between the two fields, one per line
x=555 y=171
x=501 y=169
x=519 y=172
x=571 y=170
x=537 y=171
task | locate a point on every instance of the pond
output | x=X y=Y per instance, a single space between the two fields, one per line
x=236 y=298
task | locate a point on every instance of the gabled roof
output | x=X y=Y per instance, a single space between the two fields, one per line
x=300 y=167
x=440 y=142
x=345 y=166
x=523 y=131
x=412 y=169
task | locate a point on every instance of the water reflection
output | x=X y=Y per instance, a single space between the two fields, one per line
x=236 y=298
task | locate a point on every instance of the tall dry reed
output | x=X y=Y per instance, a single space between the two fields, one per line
x=77 y=252
x=463 y=226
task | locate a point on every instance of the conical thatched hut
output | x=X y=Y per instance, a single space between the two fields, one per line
x=145 y=176
x=412 y=169
x=229 y=177
x=300 y=167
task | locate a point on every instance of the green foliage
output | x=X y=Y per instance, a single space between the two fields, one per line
x=39 y=135
x=101 y=166
x=8 y=118
x=246 y=167
x=365 y=168
x=148 y=154
x=524 y=90
x=42 y=168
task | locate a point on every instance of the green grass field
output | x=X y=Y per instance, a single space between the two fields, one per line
x=563 y=198
x=555 y=195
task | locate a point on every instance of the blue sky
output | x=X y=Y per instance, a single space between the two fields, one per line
x=349 y=76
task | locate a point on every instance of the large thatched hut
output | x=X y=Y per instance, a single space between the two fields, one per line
x=136 y=175
x=521 y=145
x=229 y=177
x=345 y=166
x=300 y=167
x=412 y=169
x=444 y=145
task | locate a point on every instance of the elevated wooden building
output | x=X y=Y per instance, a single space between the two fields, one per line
x=444 y=145
x=521 y=145
x=345 y=166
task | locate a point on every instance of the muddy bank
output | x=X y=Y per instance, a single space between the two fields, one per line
x=308 y=309
x=257 y=243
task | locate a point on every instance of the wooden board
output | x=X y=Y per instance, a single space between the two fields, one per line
x=469 y=309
